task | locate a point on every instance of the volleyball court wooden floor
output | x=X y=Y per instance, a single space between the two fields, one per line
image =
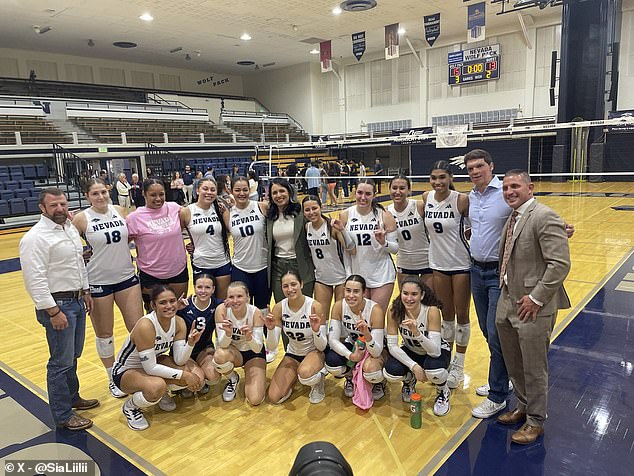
x=207 y=436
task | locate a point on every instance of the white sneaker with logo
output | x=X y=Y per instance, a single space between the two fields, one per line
x=441 y=405
x=317 y=392
x=487 y=409
x=231 y=388
x=134 y=416
x=115 y=391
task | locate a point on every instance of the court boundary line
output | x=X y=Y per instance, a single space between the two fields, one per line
x=115 y=445
x=467 y=428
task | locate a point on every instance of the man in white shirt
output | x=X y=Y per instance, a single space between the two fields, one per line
x=51 y=256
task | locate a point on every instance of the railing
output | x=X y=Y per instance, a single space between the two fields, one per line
x=263 y=116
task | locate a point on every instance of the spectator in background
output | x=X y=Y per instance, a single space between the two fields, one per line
x=362 y=171
x=136 y=192
x=323 y=184
x=210 y=171
x=177 y=186
x=199 y=176
x=333 y=173
x=224 y=191
x=354 y=172
x=312 y=179
x=123 y=192
x=378 y=170
x=188 y=180
x=345 y=181
x=254 y=193
x=103 y=175
x=236 y=172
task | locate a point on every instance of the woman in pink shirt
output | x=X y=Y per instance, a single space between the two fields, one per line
x=157 y=235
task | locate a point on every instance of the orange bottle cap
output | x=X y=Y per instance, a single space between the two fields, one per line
x=416 y=396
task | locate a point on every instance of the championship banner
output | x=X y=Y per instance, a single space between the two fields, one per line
x=325 y=56
x=432 y=28
x=476 y=22
x=391 y=41
x=451 y=136
x=358 y=44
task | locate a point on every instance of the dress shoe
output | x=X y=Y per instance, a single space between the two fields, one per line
x=76 y=423
x=511 y=418
x=83 y=404
x=527 y=434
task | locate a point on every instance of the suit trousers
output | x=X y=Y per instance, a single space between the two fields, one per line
x=525 y=349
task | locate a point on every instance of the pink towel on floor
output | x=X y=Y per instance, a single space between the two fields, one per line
x=362 y=396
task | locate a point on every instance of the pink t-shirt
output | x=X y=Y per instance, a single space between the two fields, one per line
x=158 y=239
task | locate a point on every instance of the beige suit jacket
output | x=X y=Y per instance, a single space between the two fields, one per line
x=539 y=260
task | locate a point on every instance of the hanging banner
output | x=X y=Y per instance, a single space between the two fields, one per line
x=391 y=41
x=451 y=136
x=432 y=28
x=358 y=44
x=325 y=56
x=476 y=22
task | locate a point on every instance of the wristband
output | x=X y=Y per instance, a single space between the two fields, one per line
x=51 y=316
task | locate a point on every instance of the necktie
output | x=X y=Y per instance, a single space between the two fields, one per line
x=507 y=245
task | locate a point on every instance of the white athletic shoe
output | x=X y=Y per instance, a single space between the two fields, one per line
x=487 y=409
x=348 y=388
x=441 y=405
x=270 y=356
x=456 y=375
x=167 y=403
x=409 y=387
x=231 y=388
x=317 y=392
x=483 y=390
x=378 y=391
x=134 y=415
x=115 y=391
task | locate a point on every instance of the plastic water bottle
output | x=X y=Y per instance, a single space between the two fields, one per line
x=359 y=344
x=416 y=411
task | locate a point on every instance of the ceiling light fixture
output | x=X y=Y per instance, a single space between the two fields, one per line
x=337 y=10
x=314 y=51
x=40 y=30
x=146 y=17
x=187 y=57
x=91 y=43
x=401 y=31
x=245 y=37
x=177 y=49
x=294 y=27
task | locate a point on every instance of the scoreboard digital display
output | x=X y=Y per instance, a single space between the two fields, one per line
x=475 y=64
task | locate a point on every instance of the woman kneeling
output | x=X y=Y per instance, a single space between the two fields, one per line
x=141 y=368
x=301 y=318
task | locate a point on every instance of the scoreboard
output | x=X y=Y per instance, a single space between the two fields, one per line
x=475 y=64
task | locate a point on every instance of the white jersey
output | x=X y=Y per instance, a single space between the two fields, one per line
x=349 y=331
x=205 y=229
x=413 y=242
x=107 y=235
x=128 y=357
x=249 y=239
x=448 y=247
x=296 y=326
x=370 y=260
x=421 y=323
x=238 y=340
x=327 y=255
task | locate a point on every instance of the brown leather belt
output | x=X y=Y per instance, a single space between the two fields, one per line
x=67 y=295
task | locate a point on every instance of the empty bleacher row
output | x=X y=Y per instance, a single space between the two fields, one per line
x=18 y=191
x=272 y=132
x=109 y=130
x=32 y=129
x=220 y=165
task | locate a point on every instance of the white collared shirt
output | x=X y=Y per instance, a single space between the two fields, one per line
x=51 y=257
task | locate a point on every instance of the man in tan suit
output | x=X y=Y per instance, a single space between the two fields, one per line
x=535 y=260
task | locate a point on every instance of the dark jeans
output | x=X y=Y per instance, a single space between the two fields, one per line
x=485 y=288
x=65 y=348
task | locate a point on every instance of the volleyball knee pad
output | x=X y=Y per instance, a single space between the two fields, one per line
x=225 y=368
x=437 y=376
x=336 y=371
x=463 y=333
x=393 y=378
x=312 y=380
x=105 y=347
x=140 y=401
x=448 y=330
x=374 y=377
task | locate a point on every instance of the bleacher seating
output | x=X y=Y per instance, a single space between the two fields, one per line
x=108 y=130
x=4 y=208
x=17 y=206
x=19 y=197
x=32 y=205
x=33 y=130
x=273 y=132
x=63 y=89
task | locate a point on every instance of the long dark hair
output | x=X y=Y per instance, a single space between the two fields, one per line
x=148 y=182
x=158 y=289
x=223 y=226
x=402 y=177
x=376 y=206
x=292 y=209
x=429 y=298
x=315 y=198
x=444 y=165
x=356 y=278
